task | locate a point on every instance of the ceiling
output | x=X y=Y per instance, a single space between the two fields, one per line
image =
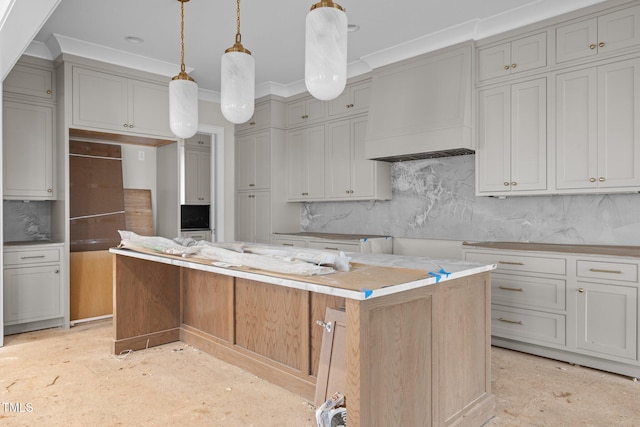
x=274 y=32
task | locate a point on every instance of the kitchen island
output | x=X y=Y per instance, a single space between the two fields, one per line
x=417 y=331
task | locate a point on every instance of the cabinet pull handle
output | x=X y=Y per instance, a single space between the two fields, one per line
x=514 y=65
x=506 y=288
x=592 y=180
x=515 y=322
x=510 y=263
x=506 y=67
x=581 y=290
x=49 y=92
x=252 y=185
x=287 y=244
x=597 y=270
x=601 y=179
x=592 y=46
x=601 y=44
x=252 y=123
x=56 y=271
x=332 y=249
x=328 y=326
x=32 y=257
x=514 y=183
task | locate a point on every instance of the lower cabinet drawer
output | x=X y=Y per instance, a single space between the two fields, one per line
x=528 y=291
x=532 y=326
x=289 y=242
x=607 y=270
x=333 y=246
x=31 y=256
x=510 y=262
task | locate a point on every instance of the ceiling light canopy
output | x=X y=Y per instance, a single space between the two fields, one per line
x=325 y=68
x=183 y=95
x=238 y=74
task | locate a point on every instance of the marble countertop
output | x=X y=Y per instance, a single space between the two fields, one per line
x=423 y=272
x=38 y=243
x=622 y=251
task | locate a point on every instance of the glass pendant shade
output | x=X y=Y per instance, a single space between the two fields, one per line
x=183 y=107
x=325 y=68
x=237 y=87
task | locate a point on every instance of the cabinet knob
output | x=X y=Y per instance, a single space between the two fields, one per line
x=125 y=125
x=601 y=179
x=49 y=190
x=514 y=65
x=601 y=44
x=592 y=46
x=514 y=183
x=506 y=67
x=581 y=290
x=56 y=271
x=506 y=184
x=49 y=92
x=252 y=123
x=592 y=180
x=252 y=185
x=305 y=116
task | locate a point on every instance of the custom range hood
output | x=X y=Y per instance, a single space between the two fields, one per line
x=421 y=107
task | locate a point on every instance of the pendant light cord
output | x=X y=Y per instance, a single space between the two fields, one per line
x=238 y=36
x=182 y=67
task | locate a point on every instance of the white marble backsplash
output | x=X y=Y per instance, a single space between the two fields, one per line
x=26 y=221
x=434 y=199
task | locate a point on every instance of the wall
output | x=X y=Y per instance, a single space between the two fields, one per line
x=434 y=199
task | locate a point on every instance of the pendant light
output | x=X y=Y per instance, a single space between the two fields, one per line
x=325 y=68
x=183 y=96
x=237 y=88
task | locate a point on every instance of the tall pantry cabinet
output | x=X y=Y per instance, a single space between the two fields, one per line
x=261 y=207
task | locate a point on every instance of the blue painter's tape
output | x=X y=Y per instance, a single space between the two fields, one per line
x=446 y=273
x=436 y=275
x=365 y=239
x=367 y=292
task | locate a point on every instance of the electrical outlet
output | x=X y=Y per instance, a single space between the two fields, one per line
x=141 y=155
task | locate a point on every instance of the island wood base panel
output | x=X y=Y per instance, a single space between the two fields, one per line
x=419 y=357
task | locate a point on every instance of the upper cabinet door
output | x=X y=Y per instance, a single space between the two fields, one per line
x=576 y=129
x=149 y=108
x=619 y=124
x=28 y=151
x=529 y=135
x=30 y=81
x=100 y=100
x=493 y=151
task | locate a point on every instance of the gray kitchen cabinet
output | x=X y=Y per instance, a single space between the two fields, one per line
x=511 y=152
x=597 y=128
x=197 y=235
x=305 y=111
x=34 y=296
x=349 y=175
x=200 y=140
x=253 y=216
x=267 y=114
x=30 y=81
x=336 y=242
x=515 y=56
x=305 y=160
x=353 y=100
x=568 y=302
x=253 y=164
x=28 y=161
x=607 y=33
x=108 y=101
x=197 y=175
